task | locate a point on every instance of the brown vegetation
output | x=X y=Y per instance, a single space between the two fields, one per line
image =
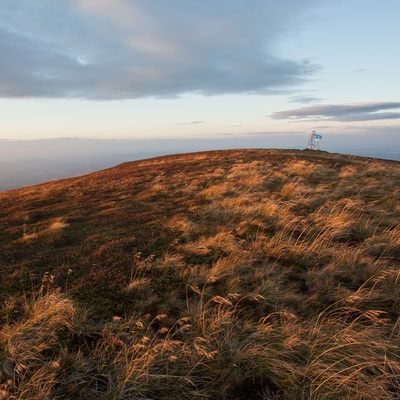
x=259 y=274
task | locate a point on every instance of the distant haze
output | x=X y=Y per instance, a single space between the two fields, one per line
x=24 y=163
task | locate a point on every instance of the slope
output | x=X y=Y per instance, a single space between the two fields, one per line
x=226 y=274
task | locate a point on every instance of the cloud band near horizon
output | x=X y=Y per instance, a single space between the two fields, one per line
x=343 y=112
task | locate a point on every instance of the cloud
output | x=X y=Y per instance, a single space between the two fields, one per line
x=343 y=112
x=191 y=123
x=99 y=49
x=304 y=99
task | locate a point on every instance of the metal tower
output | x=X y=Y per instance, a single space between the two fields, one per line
x=313 y=142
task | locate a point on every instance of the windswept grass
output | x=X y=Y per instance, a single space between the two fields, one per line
x=222 y=275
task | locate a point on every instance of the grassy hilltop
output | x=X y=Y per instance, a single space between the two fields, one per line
x=240 y=274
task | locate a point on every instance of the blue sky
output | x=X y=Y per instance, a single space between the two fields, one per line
x=182 y=69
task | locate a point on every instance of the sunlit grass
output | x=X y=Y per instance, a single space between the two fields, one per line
x=222 y=275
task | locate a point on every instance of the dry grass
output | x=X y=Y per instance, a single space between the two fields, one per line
x=223 y=275
x=38 y=230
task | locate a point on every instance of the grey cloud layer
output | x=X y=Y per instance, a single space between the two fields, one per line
x=134 y=48
x=343 y=112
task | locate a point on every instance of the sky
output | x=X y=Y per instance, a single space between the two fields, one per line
x=199 y=69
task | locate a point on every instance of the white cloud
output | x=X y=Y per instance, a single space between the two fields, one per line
x=102 y=49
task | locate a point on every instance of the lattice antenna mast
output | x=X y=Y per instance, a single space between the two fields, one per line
x=313 y=142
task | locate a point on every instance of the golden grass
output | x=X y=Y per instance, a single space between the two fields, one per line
x=223 y=275
x=48 y=231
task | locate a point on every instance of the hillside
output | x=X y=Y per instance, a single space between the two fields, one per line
x=262 y=274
